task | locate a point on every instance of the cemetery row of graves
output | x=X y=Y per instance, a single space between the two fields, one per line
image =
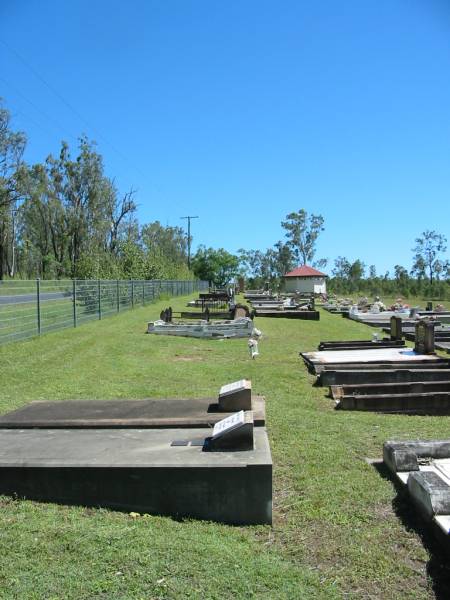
x=209 y=458
x=386 y=376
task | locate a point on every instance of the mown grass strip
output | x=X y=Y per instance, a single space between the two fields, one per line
x=340 y=527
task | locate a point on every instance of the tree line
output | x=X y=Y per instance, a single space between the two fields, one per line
x=65 y=218
x=429 y=274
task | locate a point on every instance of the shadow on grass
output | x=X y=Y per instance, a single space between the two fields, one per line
x=433 y=540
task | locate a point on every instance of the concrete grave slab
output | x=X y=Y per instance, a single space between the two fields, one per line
x=400 y=374
x=417 y=387
x=120 y=414
x=361 y=344
x=316 y=362
x=139 y=470
x=368 y=355
x=306 y=315
x=435 y=403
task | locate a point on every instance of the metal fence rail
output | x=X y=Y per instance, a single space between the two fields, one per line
x=34 y=307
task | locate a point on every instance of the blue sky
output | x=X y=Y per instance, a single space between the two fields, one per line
x=243 y=111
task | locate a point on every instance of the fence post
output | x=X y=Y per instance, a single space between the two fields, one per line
x=132 y=293
x=99 y=292
x=74 y=301
x=118 y=297
x=143 y=292
x=38 y=304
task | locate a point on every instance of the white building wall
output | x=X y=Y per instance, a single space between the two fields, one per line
x=316 y=285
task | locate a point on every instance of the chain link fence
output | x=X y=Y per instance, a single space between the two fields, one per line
x=34 y=307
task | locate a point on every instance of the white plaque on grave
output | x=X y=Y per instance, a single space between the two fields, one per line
x=228 y=424
x=236 y=396
x=231 y=388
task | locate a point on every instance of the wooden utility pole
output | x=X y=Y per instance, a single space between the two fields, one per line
x=189 y=238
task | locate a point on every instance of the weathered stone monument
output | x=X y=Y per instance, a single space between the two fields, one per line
x=424 y=337
x=396 y=328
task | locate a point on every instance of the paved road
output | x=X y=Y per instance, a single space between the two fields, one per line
x=23 y=298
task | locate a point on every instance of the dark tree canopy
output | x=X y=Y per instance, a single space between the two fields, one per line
x=216 y=266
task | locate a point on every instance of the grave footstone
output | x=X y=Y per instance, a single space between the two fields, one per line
x=236 y=396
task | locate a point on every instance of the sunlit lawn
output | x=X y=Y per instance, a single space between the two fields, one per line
x=340 y=528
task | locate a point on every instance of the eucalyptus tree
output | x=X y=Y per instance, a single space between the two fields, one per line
x=341 y=268
x=94 y=212
x=12 y=146
x=428 y=255
x=164 y=245
x=302 y=231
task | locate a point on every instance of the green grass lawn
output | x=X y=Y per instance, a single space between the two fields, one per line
x=341 y=529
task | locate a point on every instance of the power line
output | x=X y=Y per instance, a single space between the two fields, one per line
x=68 y=104
x=52 y=121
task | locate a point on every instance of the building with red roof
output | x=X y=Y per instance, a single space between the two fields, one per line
x=305 y=279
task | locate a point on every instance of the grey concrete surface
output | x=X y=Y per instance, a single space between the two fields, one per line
x=148 y=413
x=139 y=470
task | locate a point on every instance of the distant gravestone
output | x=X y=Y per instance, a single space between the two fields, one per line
x=429 y=306
x=396 y=328
x=424 y=337
x=236 y=396
x=232 y=433
x=240 y=311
